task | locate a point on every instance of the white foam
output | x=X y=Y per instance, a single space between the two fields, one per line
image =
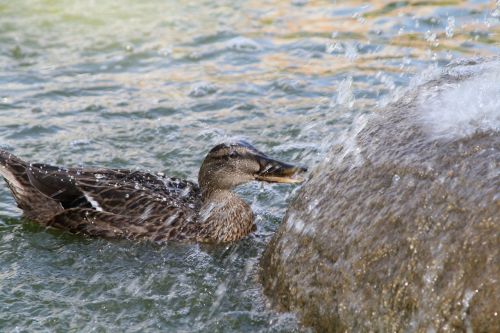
x=459 y=109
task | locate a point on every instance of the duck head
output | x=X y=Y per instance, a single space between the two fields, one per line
x=229 y=165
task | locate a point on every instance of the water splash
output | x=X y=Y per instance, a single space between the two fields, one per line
x=203 y=89
x=450 y=27
x=460 y=109
x=345 y=95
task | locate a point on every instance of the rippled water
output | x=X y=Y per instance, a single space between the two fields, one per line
x=155 y=85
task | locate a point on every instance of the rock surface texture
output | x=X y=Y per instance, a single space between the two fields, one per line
x=398 y=230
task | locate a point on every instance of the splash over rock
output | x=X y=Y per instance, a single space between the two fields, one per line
x=399 y=230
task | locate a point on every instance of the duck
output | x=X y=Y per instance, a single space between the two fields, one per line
x=142 y=205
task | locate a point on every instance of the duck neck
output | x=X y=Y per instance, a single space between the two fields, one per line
x=224 y=217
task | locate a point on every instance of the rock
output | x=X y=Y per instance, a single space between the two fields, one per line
x=399 y=228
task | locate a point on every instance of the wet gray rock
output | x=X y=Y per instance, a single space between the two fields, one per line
x=399 y=229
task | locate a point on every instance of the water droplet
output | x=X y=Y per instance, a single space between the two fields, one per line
x=450 y=27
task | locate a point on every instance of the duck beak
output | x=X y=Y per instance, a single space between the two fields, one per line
x=273 y=171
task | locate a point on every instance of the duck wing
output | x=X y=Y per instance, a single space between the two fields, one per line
x=115 y=203
x=56 y=184
x=158 y=228
x=134 y=194
x=118 y=203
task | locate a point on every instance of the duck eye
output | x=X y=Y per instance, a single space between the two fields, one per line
x=233 y=154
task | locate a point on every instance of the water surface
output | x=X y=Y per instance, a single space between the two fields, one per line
x=154 y=85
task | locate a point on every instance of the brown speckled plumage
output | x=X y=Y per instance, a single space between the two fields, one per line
x=117 y=203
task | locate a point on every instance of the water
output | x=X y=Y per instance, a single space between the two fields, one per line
x=155 y=85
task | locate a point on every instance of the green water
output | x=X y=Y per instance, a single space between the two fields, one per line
x=154 y=85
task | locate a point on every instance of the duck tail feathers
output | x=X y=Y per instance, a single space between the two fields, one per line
x=11 y=166
x=13 y=170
